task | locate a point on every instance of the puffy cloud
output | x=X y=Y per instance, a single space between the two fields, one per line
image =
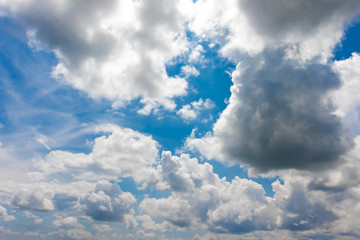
x=66 y=222
x=308 y=29
x=4 y=214
x=200 y=198
x=188 y=71
x=175 y=210
x=192 y=110
x=122 y=153
x=302 y=209
x=92 y=39
x=79 y=234
x=278 y=117
x=344 y=176
x=196 y=54
x=107 y=202
x=144 y=235
x=37 y=198
x=187 y=112
x=149 y=225
x=102 y=227
x=347 y=97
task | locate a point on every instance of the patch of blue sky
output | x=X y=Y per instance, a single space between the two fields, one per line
x=32 y=102
x=350 y=42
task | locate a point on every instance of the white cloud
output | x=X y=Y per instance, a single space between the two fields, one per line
x=5 y=215
x=149 y=225
x=12 y=167
x=199 y=198
x=144 y=235
x=175 y=210
x=347 y=97
x=186 y=112
x=188 y=71
x=68 y=222
x=123 y=153
x=43 y=140
x=191 y=111
x=308 y=30
x=107 y=202
x=79 y=234
x=114 y=49
x=37 y=219
x=36 y=198
x=102 y=227
x=196 y=54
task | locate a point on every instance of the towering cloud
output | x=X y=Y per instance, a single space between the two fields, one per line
x=279 y=117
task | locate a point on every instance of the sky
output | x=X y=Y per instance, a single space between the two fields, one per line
x=155 y=119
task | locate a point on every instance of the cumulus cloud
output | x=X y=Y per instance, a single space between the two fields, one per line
x=278 y=117
x=343 y=177
x=66 y=222
x=122 y=153
x=108 y=202
x=5 y=215
x=101 y=227
x=347 y=97
x=149 y=225
x=92 y=39
x=191 y=111
x=307 y=29
x=79 y=234
x=175 y=210
x=188 y=71
x=200 y=198
x=37 y=198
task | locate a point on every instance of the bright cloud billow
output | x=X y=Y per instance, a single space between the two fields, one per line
x=136 y=119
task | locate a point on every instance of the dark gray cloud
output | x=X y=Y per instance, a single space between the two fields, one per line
x=304 y=213
x=66 y=30
x=279 y=17
x=279 y=118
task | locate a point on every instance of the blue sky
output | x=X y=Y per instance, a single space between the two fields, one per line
x=179 y=119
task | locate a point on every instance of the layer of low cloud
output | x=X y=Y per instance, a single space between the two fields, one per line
x=199 y=198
